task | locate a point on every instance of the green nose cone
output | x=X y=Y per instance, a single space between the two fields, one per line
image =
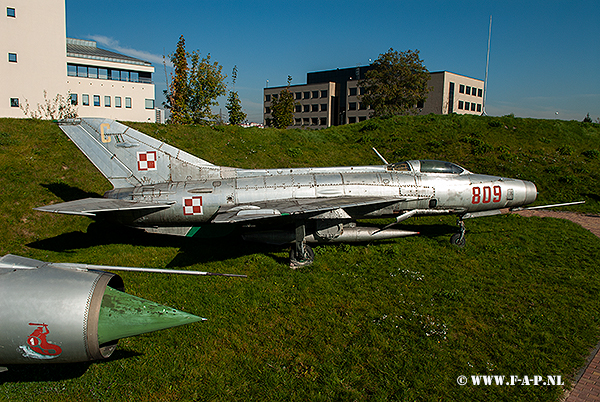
x=123 y=315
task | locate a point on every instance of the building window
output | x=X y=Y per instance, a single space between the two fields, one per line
x=362 y=106
x=362 y=118
x=117 y=101
x=107 y=101
x=92 y=72
x=307 y=95
x=472 y=106
x=362 y=91
x=82 y=71
x=149 y=103
x=324 y=93
x=460 y=105
x=468 y=91
x=73 y=99
x=315 y=121
x=124 y=75
x=315 y=94
x=298 y=122
x=467 y=105
x=85 y=100
x=323 y=121
x=352 y=106
x=10 y=12
x=275 y=96
x=12 y=57
x=103 y=73
x=461 y=89
x=353 y=91
x=480 y=92
x=128 y=103
x=71 y=70
x=298 y=108
x=306 y=108
x=420 y=104
x=298 y=95
x=323 y=107
x=479 y=107
x=305 y=121
x=96 y=100
x=351 y=120
x=267 y=110
x=267 y=98
x=114 y=75
x=14 y=102
x=315 y=108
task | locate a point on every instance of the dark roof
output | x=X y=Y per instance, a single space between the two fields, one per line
x=87 y=49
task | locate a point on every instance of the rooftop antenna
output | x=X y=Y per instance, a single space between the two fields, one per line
x=487 y=64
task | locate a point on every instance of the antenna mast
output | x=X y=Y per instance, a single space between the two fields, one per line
x=487 y=64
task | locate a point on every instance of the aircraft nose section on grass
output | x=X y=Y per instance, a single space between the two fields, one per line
x=123 y=315
x=530 y=192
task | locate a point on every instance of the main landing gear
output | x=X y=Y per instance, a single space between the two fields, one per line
x=458 y=239
x=301 y=253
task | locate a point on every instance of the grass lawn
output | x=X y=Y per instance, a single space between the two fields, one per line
x=387 y=320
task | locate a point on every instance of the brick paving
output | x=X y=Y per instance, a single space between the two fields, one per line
x=587 y=381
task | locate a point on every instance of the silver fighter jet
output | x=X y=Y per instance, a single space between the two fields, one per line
x=162 y=189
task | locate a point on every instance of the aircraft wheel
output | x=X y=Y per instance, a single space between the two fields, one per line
x=309 y=257
x=458 y=239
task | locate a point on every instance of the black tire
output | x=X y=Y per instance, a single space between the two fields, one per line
x=458 y=240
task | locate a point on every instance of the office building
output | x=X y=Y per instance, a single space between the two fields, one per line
x=333 y=97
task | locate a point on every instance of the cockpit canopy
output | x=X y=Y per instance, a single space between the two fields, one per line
x=426 y=166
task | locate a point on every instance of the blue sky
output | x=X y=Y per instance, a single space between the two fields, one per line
x=544 y=59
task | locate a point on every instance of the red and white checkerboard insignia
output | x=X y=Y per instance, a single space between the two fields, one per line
x=192 y=206
x=146 y=160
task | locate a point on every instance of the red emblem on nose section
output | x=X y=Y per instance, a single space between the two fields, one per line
x=38 y=343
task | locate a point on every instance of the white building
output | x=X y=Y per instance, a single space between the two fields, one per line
x=39 y=57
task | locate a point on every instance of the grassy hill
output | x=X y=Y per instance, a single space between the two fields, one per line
x=388 y=320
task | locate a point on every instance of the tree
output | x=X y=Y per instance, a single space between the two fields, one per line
x=178 y=92
x=206 y=84
x=587 y=119
x=193 y=90
x=396 y=84
x=282 y=107
x=234 y=105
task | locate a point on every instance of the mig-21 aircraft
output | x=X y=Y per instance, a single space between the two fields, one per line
x=162 y=189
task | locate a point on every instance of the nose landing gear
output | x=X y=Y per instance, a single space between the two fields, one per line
x=458 y=239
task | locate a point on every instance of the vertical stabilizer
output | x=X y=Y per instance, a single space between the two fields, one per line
x=127 y=157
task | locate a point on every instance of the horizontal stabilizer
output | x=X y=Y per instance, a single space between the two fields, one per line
x=94 y=206
x=299 y=206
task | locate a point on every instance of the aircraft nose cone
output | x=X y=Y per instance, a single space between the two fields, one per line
x=530 y=192
x=123 y=315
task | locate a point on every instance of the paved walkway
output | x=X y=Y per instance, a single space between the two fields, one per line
x=587 y=387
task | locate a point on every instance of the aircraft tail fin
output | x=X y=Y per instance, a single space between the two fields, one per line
x=127 y=157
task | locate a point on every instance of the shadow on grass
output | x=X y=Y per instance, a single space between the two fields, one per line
x=68 y=193
x=56 y=371
x=191 y=250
